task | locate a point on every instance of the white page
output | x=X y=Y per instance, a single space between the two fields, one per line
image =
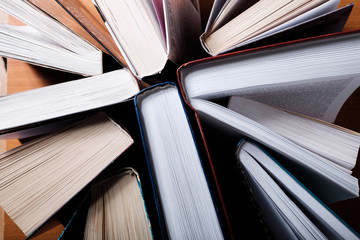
x=318 y=98
x=63 y=99
x=260 y=181
x=331 y=225
x=183 y=190
x=336 y=144
x=320 y=62
x=33 y=46
x=334 y=183
x=323 y=58
x=27 y=13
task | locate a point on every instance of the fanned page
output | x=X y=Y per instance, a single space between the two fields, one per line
x=137 y=33
x=328 y=140
x=334 y=182
x=35 y=47
x=279 y=185
x=85 y=13
x=226 y=11
x=71 y=42
x=237 y=24
x=288 y=76
x=32 y=107
x=52 y=8
x=186 y=202
x=310 y=15
x=117 y=199
x=47 y=172
x=284 y=218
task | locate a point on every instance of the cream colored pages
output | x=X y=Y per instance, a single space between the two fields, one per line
x=260 y=18
x=40 y=176
x=253 y=19
x=117 y=209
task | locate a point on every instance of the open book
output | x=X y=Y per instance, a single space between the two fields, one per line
x=233 y=24
x=178 y=177
x=42 y=175
x=333 y=178
x=117 y=209
x=290 y=210
x=333 y=142
x=46 y=41
x=313 y=77
x=45 y=109
x=149 y=33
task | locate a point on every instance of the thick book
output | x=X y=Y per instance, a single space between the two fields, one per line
x=181 y=187
x=45 y=109
x=290 y=75
x=234 y=24
x=46 y=41
x=290 y=209
x=149 y=33
x=42 y=175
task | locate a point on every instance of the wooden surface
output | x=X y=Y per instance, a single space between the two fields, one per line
x=3 y=90
x=22 y=76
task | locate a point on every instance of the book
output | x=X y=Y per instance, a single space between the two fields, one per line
x=86 y=15
x=117 y=209
x=73 y=216
x=180 y=184
x=47 y=42
x=47 y=172
x=42 y=110
x=290 y=209
x=150 y=33
x=334 y=181
x=56 y=11
x=338 y=144
x=290 y=75
x=234 y=24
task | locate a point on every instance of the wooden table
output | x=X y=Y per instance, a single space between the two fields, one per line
x=22 y=76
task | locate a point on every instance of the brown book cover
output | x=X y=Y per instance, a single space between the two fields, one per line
x=86 y=14
x=82 y=18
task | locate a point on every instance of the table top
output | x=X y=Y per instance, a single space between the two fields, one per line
x=23 y=76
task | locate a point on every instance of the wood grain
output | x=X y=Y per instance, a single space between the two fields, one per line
x=3 y=90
